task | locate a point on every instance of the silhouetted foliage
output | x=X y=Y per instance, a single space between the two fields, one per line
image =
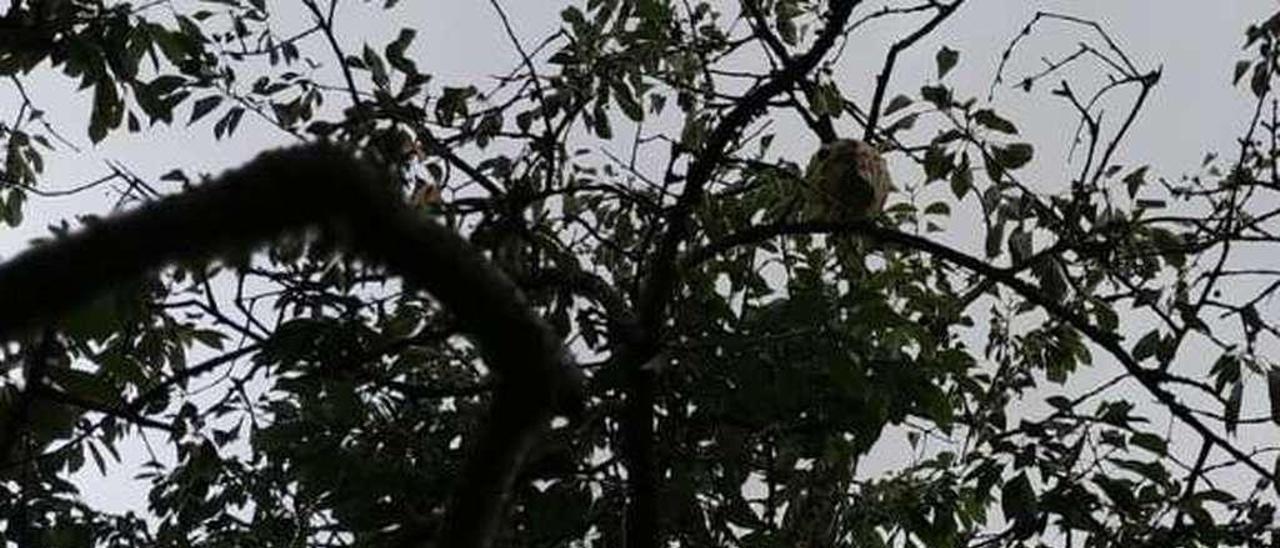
x=735 y=373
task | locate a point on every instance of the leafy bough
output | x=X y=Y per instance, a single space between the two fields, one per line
x=324 y=186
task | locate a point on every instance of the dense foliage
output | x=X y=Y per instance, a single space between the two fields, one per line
x=737 y=375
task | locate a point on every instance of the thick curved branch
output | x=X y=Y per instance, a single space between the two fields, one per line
x=323 y=186
x=1151 y=380
x=759 y=233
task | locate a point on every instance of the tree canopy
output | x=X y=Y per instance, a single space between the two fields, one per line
x=577 y=304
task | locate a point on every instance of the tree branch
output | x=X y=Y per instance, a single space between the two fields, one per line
x=1150 y=379
x=882 y=80
x=642 y=509
x=52 y=394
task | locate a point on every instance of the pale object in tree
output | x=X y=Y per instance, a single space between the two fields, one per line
x=847 y=180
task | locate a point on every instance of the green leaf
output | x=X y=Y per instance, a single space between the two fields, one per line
x=1020 y=245
x=1242 y=67
x=962 y=177
x=946 y=59
x=989 y=119
x=600 y=124
x=376 y=67
x=1215 y=495
x=573 y=16
x=1146 y=346
x=108 y=110
x=203 y=107
x=453 y=103
x=995 y=237
x=627 y=100
x=1149 y=470
x=1120 y=492
x=1106 y=316
x=1150 y=442
x=1051 y=277
x=394 y=52
x=1018 y=499
x=938 y=95
x=98 y=461
x=13 y=207
x=210 y=338
x=490 y=125
x=227 y=124
x=694 y=132
x=233 y=118
x=1225 y=372
x=1260 y=83
x=826 y=100
x=1232 y=410
x=897 y=103
x=901 y=124
x=82 y=384
x=175 y=175
x=1273 y=392
x=937 y=163
x=1171 y=246
x=1013 y=156
x=1150 y=204
x=1135 y=180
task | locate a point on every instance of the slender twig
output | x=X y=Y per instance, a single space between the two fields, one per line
x=890 y=58
x=326 y=25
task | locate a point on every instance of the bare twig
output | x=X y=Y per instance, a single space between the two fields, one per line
x=890 y=58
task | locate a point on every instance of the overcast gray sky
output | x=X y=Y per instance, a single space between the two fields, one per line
x=1192 y=111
